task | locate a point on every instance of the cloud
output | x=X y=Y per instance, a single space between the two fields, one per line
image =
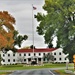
x=21 y=10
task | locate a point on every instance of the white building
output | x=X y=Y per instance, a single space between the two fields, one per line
x=26 y=55
x=9 y=58
x=59 y=56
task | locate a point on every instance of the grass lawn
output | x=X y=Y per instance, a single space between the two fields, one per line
x=22 y=66
x=62 y=72
x=46 y=65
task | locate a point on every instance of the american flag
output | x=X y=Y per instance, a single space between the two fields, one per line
x=34 y=8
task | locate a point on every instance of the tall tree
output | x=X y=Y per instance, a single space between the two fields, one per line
x=6 y=29
x=8 y=35
x=58 y=22
x=3 y=42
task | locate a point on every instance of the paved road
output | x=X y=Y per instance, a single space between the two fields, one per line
x=34 y=72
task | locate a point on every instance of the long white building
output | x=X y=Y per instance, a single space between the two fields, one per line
x=26 y=56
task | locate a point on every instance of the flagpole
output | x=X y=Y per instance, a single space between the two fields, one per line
x=33 y=30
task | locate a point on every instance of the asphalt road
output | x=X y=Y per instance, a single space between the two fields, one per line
x=34 y=72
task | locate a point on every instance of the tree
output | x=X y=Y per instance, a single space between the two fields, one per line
x=8 y=35
x=58 y=22
x=3 y=42
x=20 y=59
x=49 y=57
x=19 y=38
x=32 y=46
x=6 y=30
x=50 y=45
x=0 y=58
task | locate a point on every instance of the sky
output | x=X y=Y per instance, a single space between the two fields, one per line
x=21 y=10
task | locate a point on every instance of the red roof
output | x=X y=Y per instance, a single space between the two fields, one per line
x=36 y=50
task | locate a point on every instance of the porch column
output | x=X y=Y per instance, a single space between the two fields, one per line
x=37 y=60
x=41 y=60
x=27 y=60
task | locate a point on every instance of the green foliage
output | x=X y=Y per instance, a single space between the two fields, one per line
x=0 y=58
x=49 y=57
x=58 y=22
x=50 y=45
x=32 y=46
x=19 y=38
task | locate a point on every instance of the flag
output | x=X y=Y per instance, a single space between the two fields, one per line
x=34 y=8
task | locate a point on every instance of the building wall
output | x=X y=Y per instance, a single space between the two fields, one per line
x=30 y=55
x=9 y=58
x=13 y=58
x=59 y=56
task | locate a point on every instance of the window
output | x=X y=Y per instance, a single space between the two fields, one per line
x=13 y=60
x=54 y=53
x=8 y=60
x=44 y=54
x=44 y=59
x=29 y=54
x=13 y=54
x=59 y=53
x=65 y=58
x=29 y=59
x=39 y=59
x=8 y=55
x=39 y=54
x=54 y=58
x=59 y=58
x=24 y=54
x=19 y=54
x=34 y=54
x=24 y=59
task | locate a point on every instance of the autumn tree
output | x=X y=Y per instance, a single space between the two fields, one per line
x=58 y=22
x=6 y=30
x=3 y=42
x=8 y=35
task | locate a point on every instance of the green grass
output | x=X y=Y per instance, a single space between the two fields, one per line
x=55 y=65
x=62 y=72
x=22 y=66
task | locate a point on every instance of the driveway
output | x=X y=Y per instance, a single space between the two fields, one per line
x=34 y=72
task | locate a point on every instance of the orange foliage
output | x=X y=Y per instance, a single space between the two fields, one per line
x=3 y=41
x=7 y=17
x=6 y=38
x=7 y=20
x=9 y=38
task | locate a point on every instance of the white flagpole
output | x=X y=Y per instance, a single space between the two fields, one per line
x=33 y=30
